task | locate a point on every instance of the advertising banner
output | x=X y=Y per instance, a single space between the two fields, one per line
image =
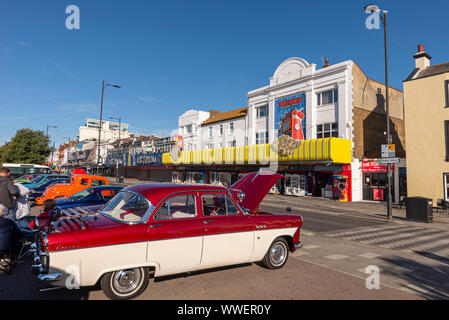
x=290 y=117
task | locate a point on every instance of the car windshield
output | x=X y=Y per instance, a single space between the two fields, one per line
x=82 y=194
x=37 y=179
x=24 y=177
x=127 y=207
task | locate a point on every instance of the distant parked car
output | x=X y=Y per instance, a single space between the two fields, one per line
x=27 y=178
x=89 y=197
x=77 y=183
x=40 y=188
x=44 y=178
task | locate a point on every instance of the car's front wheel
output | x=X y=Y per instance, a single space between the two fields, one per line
x=277 y=254
x=125 y=284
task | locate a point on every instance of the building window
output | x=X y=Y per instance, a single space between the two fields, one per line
x=262 y=111
x=446 y=186
x=221 y=130
x=231 y=127
x=327 y=97
x=220 y=145
x=231 y=143
x=327 y=130
x=210 y=131
x=446 y=138
x=446 y=91
x=261 y=137
x=210 y=146
x=189 y=128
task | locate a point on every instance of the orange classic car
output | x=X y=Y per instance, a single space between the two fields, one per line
x=78 y=183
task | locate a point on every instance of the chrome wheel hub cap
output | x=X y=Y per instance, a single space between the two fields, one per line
x=278 y=254
x=126 y=281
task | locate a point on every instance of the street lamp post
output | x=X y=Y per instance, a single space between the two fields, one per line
x=119 y=131
x=50 y=126
x=68 y=145
x=101 y=119
x=373 y=8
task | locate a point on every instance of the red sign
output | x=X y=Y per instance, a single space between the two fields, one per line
x=378 y=194
x=373 y=166
x=289 y=102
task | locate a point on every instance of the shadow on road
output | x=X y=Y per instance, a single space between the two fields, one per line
x=429 y=282
x=23 y=285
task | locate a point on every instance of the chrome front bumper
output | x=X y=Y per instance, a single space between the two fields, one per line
x=40 y=258
x=50 y=276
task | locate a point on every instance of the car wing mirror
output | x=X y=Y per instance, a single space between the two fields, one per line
x=241 y=196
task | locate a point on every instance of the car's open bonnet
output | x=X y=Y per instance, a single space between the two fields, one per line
x=255 y=185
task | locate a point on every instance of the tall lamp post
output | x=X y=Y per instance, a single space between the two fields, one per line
x=53 y=149
x=383 y=17
x=50 y=126
x=119 y=119
x=101 y=119
x=67 y=147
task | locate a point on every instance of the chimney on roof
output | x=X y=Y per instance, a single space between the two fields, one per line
x=422 y=58
x=327 y=63
x=213 y=113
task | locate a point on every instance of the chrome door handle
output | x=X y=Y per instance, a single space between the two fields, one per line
x=208 y=221
x=155 y=226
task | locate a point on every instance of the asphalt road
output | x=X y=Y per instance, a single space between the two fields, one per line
x=317 y=222
x=296 y=280
x=299 y=279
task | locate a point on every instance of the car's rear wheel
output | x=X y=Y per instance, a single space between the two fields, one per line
x=125 y=284
x=277 y=254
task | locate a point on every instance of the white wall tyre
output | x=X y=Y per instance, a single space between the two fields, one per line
x=277 y=254
x=125 y=284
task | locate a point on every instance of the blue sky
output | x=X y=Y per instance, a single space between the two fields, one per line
x=170 y=56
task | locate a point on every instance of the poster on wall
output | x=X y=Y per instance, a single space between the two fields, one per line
x=290 y=117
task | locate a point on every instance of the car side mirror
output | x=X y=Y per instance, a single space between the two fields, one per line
x=241 y=196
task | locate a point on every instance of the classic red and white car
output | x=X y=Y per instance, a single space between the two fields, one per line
x=165 y=228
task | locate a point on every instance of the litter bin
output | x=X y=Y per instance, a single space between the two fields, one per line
x=121 y=179
x=419 y=209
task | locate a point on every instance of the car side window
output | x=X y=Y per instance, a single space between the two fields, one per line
x=84 y=182
x=177 y=207
x=218 y=204
x=97 y=182
x=108 y=194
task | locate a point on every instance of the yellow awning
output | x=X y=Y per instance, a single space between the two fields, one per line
x=335 y=150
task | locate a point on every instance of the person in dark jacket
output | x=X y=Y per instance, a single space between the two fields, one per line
x=7 y=194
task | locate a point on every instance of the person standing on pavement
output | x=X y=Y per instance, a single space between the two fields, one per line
x=7 y=194
x=7 y=216
x=22 y=208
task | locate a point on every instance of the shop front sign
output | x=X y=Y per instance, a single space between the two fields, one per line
x=375 y=167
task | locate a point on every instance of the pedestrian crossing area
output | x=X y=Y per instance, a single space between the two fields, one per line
x=402 y=237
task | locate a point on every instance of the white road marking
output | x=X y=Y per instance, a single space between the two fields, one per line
x=336 y=257
x=364 y=230
x=311 y=246
x=300 y=253
x=369 y=255
x=307 y=233
x=414 y=289
x=407 y=267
